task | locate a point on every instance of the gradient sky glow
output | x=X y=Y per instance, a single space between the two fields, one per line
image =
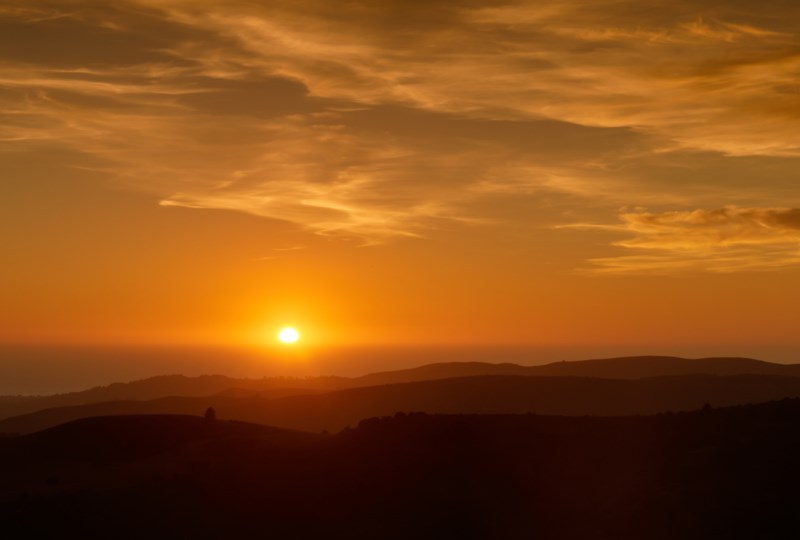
x=542 y=173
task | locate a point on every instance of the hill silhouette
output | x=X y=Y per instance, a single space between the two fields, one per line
x=721 y=473
x=274 y=387
x=170 y=385
x=332 y=411
x=135 y=436
x=632 y=367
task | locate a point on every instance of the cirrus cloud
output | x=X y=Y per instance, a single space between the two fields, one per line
x=728 y=239
x=299 y=111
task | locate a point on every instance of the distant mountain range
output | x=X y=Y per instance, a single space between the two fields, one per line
x=170 y=385
x=275 y=387
x=614 y=386
x=490 y=394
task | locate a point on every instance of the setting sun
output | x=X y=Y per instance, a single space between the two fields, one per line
x=288 y=335
x=545 y=256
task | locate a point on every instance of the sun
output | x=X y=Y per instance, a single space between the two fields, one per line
x=288 y=335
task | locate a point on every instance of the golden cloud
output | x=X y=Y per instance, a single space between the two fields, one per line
x=701 y=82
x=722 y=240
x=299 y=110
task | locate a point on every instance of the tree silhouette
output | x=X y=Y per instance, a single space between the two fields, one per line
x=210 y=414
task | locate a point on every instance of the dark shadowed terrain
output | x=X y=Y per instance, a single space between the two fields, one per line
x=628 y=448
x=716 y=473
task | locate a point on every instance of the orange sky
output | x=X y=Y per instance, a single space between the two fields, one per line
x=549 y=173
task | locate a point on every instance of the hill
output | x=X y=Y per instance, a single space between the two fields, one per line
x=724 y=473
x=631 y=367
x=275 y=387
x=137 y=436
x=501 y=394
x=170 y=385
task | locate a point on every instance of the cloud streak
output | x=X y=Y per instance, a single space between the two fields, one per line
x=702 y=81
x=729 y=239
x=299 y=111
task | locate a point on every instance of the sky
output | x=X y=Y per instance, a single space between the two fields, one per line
x=573 y=174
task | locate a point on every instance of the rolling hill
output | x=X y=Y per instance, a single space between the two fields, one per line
x=493 y=394
x=208 y=385
x=726 y=473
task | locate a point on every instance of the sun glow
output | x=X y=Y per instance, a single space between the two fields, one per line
x=288 y=335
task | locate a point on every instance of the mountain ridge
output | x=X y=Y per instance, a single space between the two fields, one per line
x=273 y=387
x=493 y=394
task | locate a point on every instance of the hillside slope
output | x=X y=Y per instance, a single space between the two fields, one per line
x=208 y=385
x=724 y=473
x=334 y=411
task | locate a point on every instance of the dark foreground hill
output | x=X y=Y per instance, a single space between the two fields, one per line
x=468 y=395
x=273 y=387
x=721 y=473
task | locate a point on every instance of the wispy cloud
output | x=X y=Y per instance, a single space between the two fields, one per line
x=729 y=239
x=299 y=110
x=708 y=83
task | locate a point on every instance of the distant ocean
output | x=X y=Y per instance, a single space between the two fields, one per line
x=29 y=370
